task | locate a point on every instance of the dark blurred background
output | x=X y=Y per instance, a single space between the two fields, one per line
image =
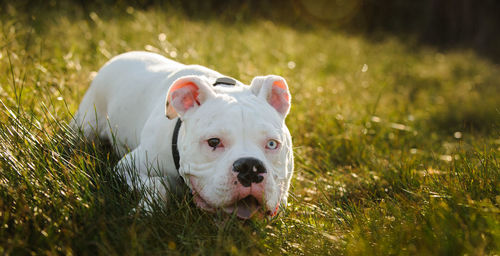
x=446 y=24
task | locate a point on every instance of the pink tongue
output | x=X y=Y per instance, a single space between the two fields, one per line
x=247 y=207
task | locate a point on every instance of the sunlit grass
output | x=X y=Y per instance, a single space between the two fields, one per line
x=396 y=145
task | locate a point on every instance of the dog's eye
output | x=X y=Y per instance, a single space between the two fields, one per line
x=213 y=142
x=272 y=144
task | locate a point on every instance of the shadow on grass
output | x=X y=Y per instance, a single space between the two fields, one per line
x=467 y=24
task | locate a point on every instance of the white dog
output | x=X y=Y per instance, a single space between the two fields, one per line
x=232 y=147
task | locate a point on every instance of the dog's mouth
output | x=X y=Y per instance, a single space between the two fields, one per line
x=244 y=208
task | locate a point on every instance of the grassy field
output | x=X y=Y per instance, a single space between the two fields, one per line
x=397 y=146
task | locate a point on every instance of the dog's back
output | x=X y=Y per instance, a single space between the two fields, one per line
x=117 y=104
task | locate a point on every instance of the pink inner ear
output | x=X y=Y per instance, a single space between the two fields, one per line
x=186 y=94
x=189 y=99
x=281 y=84
x=279 y=97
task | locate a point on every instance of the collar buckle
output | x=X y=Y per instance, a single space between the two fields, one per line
x=225 y=81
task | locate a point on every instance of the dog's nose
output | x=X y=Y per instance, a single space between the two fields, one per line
x=249 y=170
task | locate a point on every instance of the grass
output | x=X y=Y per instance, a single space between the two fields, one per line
x=397 y=146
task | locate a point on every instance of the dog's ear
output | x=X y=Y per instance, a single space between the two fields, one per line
x=187 y=93
x=274 y=90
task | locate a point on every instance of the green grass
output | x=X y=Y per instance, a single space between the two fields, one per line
x=397 y=146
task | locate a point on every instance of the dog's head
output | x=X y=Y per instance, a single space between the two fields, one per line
x=236 y=151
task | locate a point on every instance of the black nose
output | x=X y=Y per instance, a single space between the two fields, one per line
x=248 y=170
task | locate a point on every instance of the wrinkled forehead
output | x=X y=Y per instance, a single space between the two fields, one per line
x=236 y=112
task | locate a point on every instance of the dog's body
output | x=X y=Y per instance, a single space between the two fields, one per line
x=235 y=149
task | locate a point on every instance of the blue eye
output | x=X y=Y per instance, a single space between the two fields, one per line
x=272 y=144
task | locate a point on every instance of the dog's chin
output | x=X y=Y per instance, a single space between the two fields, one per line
x=244 y=208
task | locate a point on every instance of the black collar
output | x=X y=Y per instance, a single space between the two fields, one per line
x=175 y=135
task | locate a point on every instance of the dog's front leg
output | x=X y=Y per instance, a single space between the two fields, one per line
x=144 y=172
